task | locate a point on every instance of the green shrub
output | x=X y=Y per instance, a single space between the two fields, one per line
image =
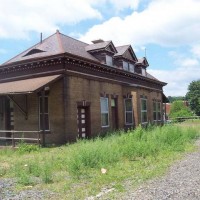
x=178 y=109
x=24 y=147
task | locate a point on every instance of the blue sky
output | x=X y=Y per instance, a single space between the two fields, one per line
x=169 y=30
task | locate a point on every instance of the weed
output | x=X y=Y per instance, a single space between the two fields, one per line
x=136 y=155
x=47 y=176
x=27 y=148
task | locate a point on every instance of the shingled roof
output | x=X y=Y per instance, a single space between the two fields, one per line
x=121 y=50
x=102 y=45
x=142 y=61
x=55 y=44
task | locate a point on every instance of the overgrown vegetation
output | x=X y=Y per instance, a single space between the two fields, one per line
x=74 y=171
x=178 y=109
x=193 y=96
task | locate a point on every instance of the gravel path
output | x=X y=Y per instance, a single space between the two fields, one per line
x=182 y=182
x=7 y=192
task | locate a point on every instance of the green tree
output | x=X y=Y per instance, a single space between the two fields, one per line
x=193 y=96
x=178 y=109
x=175 y=98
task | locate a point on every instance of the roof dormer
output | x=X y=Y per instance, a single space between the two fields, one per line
x=102 y=50
x=141 y=66
x=101 y=45
x=125 y=58
x=126 y=52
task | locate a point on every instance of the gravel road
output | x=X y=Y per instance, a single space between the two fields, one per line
x=182 y=182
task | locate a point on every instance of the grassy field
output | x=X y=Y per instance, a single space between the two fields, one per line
x=83 y=169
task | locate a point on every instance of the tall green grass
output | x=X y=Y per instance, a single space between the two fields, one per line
x=134 y=144
x=137 y=153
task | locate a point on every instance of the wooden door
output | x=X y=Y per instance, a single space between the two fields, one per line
x=114 y=113
x=83 y=120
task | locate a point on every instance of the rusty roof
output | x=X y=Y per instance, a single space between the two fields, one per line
x=27 y=85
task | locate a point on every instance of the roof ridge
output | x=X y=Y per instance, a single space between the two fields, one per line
x=123 y=45
x=60 y=42
x=35 y=45
x=73 y=38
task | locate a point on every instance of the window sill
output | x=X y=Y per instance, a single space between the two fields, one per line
x=105 y=126
x=46 y=131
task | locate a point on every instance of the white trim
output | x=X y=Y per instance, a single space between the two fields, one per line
x=125 y=65
x=109 y=60
x=105 y=112
x=143 y=111
x=132 y=71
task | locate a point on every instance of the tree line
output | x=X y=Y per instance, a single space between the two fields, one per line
x=178 y=107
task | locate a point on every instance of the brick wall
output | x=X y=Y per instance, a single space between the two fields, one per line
x=77 y=90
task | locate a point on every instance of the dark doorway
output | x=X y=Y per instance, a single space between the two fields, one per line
x=9 y=116
x=114 y=111
x=83 y=120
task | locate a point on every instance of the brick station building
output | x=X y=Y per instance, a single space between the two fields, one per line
x=68 y=89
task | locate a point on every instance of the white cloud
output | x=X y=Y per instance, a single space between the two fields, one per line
x=196 y=50
x=120 y=5
x=184 y=60
x=117 y=5
x=186 y=69
x=19 y=17
x=163 y=22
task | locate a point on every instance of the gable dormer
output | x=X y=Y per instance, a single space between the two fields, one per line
x=125 y=58
x=102 y=50
x=141 y=66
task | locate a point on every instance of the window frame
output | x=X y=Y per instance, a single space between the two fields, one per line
x=143 y=71
x=125 y=65
x=130 y=64
x=125 y=111
x=105 y=112
x=154 y=111
x=45 y=113
x=157 y=110
x=143 y=111
x=109 y=60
